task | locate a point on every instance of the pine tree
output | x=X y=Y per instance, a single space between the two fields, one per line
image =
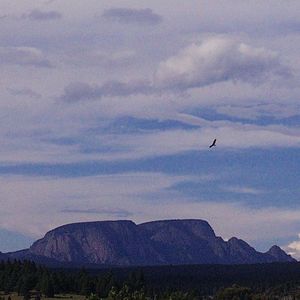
x=47 y=287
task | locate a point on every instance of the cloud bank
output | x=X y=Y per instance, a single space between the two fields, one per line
x=213 y=61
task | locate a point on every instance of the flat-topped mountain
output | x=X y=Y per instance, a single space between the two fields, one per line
x=124 y=243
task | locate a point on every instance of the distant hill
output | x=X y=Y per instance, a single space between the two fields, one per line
x=3 y=256
x=123 y=243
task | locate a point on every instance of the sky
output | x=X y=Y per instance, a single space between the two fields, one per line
x=107 y=110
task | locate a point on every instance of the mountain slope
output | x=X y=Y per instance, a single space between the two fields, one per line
x=3 y=256
x=124 y=243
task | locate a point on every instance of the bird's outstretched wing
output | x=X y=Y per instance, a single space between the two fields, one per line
x=213 y=143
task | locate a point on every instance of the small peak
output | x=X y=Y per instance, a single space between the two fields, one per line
x=241 y=244
x=275 y=251
x=235 y=240
x=275 y=248
x=280 y=255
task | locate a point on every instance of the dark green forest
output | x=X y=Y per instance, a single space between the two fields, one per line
x=262 y=281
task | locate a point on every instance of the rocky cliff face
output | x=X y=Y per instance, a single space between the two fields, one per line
x=111 y=243
x=183 y=241
x=160 y=242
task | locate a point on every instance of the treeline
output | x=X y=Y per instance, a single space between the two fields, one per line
x=270 y=281
x=24 y=277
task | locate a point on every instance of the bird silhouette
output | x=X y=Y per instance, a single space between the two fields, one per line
x=213 y=143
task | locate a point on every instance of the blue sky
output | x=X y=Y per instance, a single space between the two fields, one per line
x=108 y=108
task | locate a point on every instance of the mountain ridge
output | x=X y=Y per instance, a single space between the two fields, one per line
x=162 y=242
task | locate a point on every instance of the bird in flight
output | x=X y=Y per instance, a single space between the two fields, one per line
x=213 y=143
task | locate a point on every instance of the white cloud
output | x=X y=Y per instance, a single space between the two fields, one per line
x=293 y=248
x=216 y=60
x=243 y=190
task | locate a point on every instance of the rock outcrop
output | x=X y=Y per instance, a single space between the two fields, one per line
x=123 y=243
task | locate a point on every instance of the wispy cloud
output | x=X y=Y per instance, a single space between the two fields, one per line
x=24 y=56
x=254 y=110
x=80 y=91
x=243 y=190
x=168 y=142
x=133 y=16
x=101 y=145
x=113 y=212
x=101 y=58
x=39 y=15
x=24 y=92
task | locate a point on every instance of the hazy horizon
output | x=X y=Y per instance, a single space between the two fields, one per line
x=108 y=109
